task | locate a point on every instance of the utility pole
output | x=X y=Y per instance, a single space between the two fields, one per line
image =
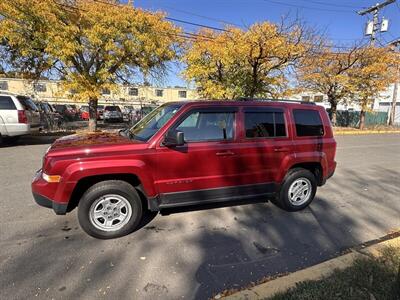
x=392 y=110
x=373 y=27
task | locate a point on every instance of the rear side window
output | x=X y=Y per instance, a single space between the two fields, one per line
x=112 y=108
x=6 y=103
x=264 y=124
x=27 y=103
x=308 y=122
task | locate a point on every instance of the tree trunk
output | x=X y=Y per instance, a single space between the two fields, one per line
x=93 y=114
x=333 y=103
x=362 y=119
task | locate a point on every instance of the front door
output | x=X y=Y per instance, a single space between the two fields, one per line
x=206 y=168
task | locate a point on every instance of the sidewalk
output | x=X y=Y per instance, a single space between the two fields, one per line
x=322 y=270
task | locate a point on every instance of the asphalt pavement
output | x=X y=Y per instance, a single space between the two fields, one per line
x=191 y=254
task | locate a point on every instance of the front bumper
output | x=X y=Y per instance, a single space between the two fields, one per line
x=43 y=193
x=59 y=209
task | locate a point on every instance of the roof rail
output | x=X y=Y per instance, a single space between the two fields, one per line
x=275 y=100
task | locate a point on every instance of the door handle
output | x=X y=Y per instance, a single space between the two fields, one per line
x=281 y=149
x=225 y=153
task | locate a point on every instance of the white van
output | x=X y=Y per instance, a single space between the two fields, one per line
x=18 y=116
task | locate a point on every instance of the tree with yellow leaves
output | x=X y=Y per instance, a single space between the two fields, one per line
x=371 y=75
x=245 y=63
x=327 y=72
x=91 y=44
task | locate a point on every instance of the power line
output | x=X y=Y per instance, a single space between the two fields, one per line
x=330 y=4
x=188 y=35
x=200 y=16
x=308 y=7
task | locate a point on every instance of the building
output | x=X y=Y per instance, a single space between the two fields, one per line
x=132 y=95
x=381 y=103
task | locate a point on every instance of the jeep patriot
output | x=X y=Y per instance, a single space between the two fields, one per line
x=189 y=153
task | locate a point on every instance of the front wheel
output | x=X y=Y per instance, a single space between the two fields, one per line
x=110 y=209
x=297 y=191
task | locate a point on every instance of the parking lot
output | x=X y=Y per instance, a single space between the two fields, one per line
x=196 y=253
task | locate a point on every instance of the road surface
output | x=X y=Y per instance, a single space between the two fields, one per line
x=191 y=254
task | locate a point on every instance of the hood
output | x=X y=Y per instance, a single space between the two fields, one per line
x=88 y=140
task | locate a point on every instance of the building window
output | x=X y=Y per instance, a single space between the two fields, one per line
x=4 y=85
x=318 y=98
x=39 y=87
x=305 y=98
x=159 y=93
x=105 y=92
x=133 y=92
x=182 y=94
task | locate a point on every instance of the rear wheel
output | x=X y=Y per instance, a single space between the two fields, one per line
x=297 y=191
x=110 y=209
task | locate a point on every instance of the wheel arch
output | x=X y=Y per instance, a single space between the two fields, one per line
x=314 y=167
x=86 y=182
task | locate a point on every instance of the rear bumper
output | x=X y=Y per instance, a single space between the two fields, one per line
x=330 y=174
x=59 y=209
x=22 y=129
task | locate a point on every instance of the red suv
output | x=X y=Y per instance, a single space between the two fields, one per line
x=187 y=153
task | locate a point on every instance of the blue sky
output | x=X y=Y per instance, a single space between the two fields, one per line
x=338 y=19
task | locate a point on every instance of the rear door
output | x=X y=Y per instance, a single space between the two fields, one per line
x=8 y=115
x=264 y=145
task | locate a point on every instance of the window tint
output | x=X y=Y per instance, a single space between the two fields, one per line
x=27 y=103
x=207 y=126
x=308 y=122
x=6 y=103
x=112 y=108
x=264 y=124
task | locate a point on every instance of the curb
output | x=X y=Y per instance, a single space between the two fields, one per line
x=316 y=272
x=364 y=132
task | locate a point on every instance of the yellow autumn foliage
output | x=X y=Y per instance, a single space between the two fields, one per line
x=91 y=44
x=244 y=63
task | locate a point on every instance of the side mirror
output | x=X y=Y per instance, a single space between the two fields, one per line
x=174 y=138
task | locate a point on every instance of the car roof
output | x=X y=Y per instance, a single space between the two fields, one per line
x=244 y=103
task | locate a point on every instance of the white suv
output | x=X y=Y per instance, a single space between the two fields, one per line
x=18 y=116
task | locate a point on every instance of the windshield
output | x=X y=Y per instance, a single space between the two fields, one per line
x=151 y=123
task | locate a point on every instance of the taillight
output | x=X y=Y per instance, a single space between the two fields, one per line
x=22 y=117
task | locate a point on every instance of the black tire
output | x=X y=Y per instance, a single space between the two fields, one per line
x=282 y=200
x=103 y=188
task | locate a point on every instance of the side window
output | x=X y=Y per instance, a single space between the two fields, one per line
x=207 y=126
x=308 y=122
x=6 y=103
x=264 y=124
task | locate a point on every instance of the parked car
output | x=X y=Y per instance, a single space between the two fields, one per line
x=100 y=112
x=49 y=118
x=187 y=153
x=84 y=111
x=18 y=116
x=66 y=111
x=113 y=114
x=76 y=111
